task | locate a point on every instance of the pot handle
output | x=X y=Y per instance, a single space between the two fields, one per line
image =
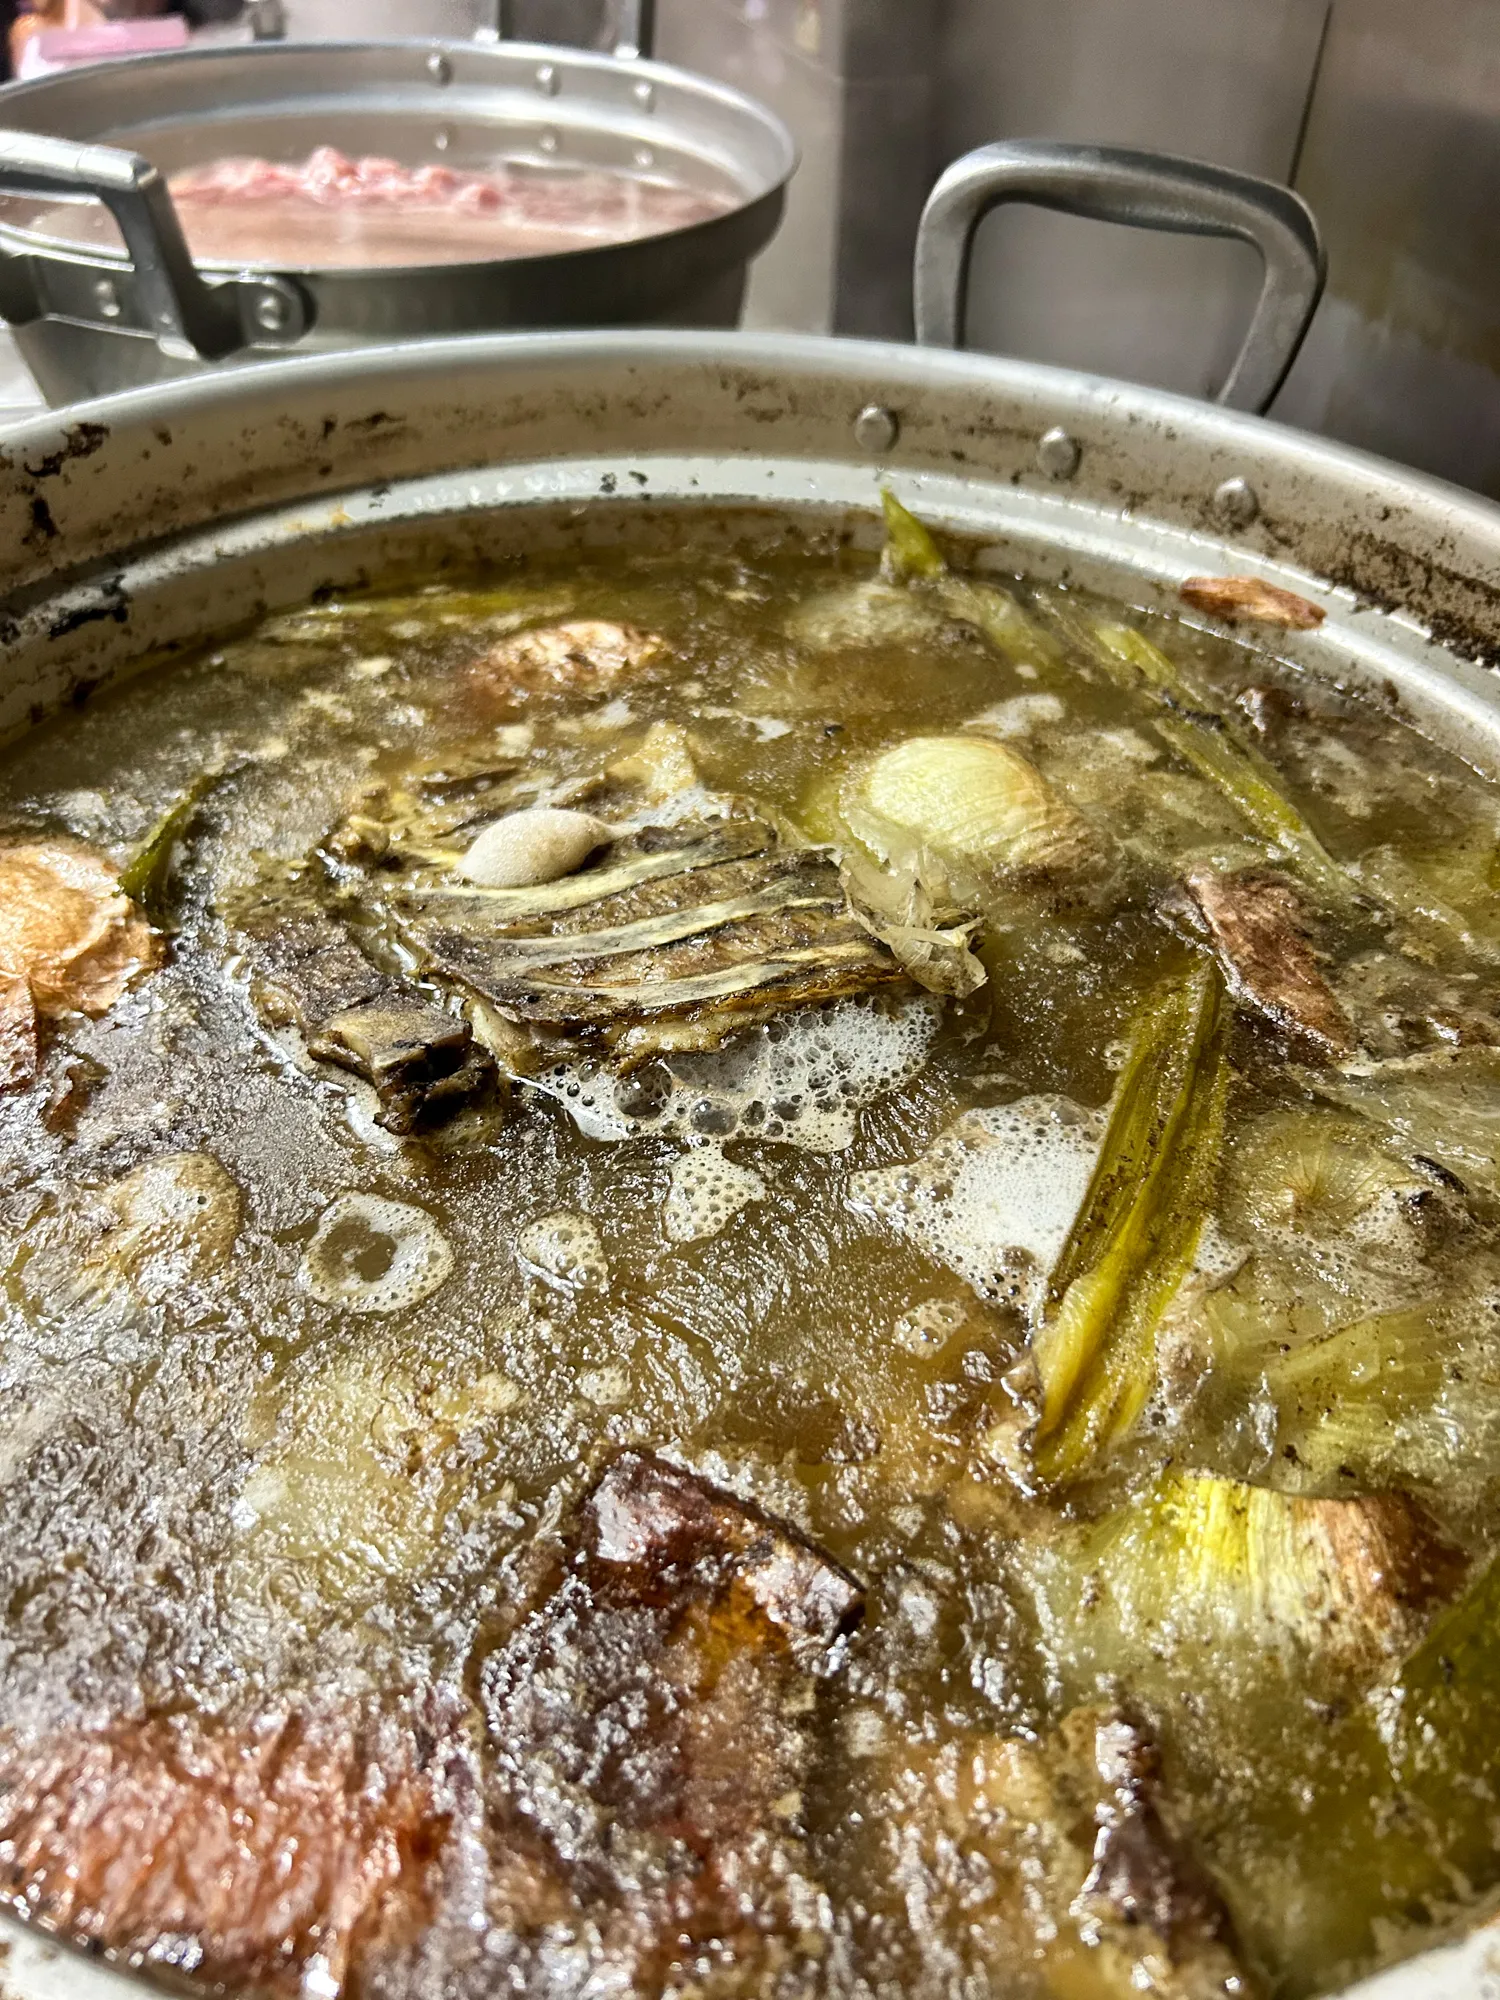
x=189 y=317
x=1150 y=191
x=635 y=29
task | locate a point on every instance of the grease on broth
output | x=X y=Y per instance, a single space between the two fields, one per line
x=932 y=1196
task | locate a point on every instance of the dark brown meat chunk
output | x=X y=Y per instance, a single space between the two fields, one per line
x=308 y=973
x=1259 y=929
x=422 y=1060
x=647 y=1723
x=267 y=1855
x=1141 y=1875
x=1247 y=597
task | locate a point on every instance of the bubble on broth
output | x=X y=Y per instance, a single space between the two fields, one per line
x=929 y=1326
x=993 y=1197
x=799 y=1079
x=605 y=1387
x=705 y=1191
x=564 y=1250
x=374 y=1256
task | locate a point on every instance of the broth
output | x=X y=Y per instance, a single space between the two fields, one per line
x=862 y=1355
x=341 y=213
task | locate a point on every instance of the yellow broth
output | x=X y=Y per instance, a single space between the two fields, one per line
x=222 y=1482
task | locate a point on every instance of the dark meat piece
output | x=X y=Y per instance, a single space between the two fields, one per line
x=1040 y=1867
x=422 y=1060
x=1268 y=709
x=308 y=973
x=1238 y=598
x=1140 y=1873
x=1258 y=926
x=648 y=1727
x=273 y=1854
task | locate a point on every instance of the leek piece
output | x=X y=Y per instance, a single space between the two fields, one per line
x=999 y=619
x=1204 y=738
x=1125 y=655
x=1443 y=1105
x=1137 y=1233
x=1151 y=663
x=146 y=875
x=1251 y=787
x=910 y=550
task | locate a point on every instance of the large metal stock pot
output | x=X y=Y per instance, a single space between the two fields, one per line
x=143 y=523
x=127 y=304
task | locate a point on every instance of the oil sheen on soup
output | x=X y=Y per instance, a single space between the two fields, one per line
x=729 y=1272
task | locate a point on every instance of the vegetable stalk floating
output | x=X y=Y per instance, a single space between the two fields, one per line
x=146 y=876
x=912 y=555
x=1137 y=1233
x=1206 y=740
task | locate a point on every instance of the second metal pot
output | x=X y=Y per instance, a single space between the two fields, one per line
x=133 y=307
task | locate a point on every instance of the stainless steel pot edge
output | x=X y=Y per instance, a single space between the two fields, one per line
x=234 y=474
x=1402 y=563
x=101 y=317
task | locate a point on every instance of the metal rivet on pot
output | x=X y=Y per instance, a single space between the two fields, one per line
x=442 y=138
x=644 y=157
x=439 y=68
x=645 y=96
x=876 y=428
x=547 y=139
x=107 y=298
x=1236 y=502
x=547 y=79
x=1058 y=454
x=272 y=311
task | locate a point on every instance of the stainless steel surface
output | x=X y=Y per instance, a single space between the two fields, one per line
x=152 y=521
x=268 y=21
x=635 y=28
x=94 y=319
x=855 y=80
x=1402 y=164
x=1147 y=191
x=1221 y=80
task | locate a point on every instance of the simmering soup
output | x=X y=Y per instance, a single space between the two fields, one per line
x=731 y=1274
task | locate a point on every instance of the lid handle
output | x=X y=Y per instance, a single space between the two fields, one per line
x=1148 y=191
x=189 y=317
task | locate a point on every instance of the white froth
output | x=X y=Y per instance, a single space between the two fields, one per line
x=704 y=1192
x=993 y=1197
x=798 y=1079
x=1019 y=716
x=564 y=1249
x=374 y=1256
